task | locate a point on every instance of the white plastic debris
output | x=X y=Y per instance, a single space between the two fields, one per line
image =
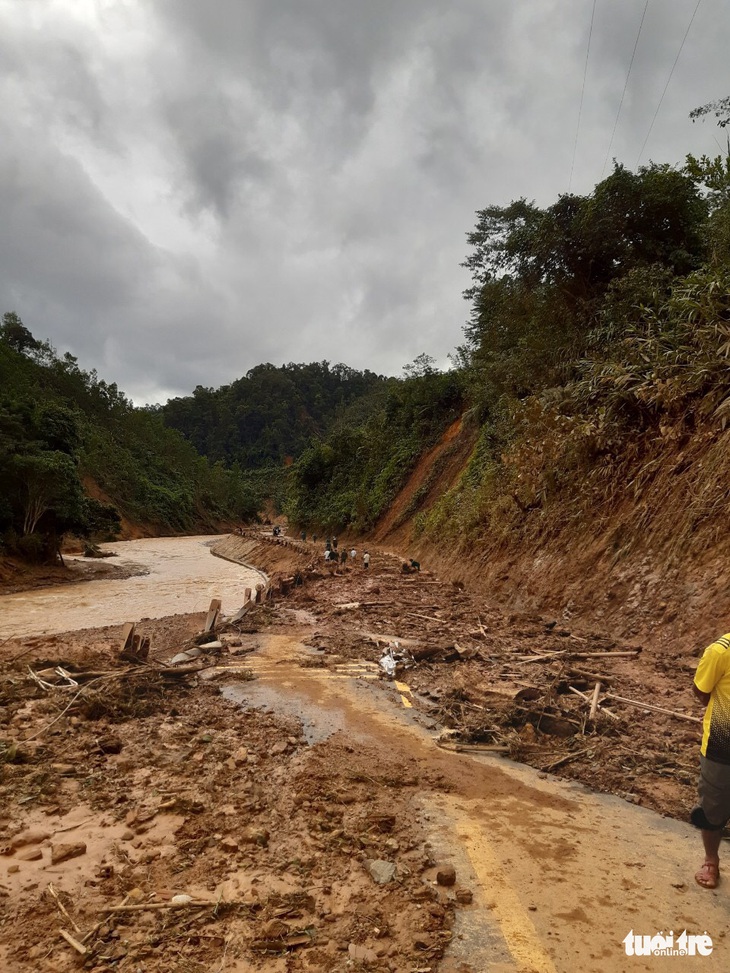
x=395 y=656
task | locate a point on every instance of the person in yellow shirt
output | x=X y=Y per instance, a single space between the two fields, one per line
x=712 y=686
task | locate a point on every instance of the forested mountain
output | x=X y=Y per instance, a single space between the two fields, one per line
x=270 y=415
x=62 y=428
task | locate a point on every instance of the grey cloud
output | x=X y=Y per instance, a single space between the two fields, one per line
x=192 y=188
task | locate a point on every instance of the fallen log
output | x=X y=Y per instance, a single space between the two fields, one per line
x=181 y=671
x=419 y=653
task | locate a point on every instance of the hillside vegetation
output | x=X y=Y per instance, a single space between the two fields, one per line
x=67 y=438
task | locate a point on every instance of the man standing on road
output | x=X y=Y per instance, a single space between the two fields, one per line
x=712 y=686
x=366 y=560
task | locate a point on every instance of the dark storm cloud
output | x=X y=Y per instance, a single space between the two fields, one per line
x=189 y=189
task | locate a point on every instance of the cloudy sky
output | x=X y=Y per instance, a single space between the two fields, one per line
x=190 y=188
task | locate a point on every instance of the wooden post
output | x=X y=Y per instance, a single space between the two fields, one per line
x=215 y=607
x=127 y=635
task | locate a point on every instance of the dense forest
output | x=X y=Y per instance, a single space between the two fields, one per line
x=65 y=435
x=597 y=348
x=351 y=436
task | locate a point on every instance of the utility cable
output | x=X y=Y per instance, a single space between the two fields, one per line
x=582 y=92
x=689 y=27
x=626 y=84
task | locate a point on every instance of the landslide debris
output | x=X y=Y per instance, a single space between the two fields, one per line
x=516 y=683
x=149 y=824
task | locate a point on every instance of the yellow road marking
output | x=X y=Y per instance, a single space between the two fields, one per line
x=406 y=702
x=517 y=928
x=402 y=687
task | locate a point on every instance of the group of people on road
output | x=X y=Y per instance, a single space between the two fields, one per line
x=332 y=557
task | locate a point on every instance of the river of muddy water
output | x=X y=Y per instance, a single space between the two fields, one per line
x=172 y=575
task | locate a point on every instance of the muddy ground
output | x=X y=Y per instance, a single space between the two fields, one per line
x=136 y=787
x=508 y=680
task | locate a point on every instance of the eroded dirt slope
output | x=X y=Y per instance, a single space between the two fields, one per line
x=650 y=565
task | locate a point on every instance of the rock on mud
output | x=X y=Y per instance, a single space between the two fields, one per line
x=380 y=871
x=63 y=851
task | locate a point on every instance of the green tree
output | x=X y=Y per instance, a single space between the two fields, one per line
x=15 y=334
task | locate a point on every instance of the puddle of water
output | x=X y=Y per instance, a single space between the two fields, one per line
x=317 y=725
x=180 y=575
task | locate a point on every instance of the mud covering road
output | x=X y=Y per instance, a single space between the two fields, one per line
x=302 y=805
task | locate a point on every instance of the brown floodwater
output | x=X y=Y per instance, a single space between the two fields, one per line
x=175 y=575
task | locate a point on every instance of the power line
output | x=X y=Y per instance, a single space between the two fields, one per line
x=582 y=92
x=689 y=26
x=626 y=84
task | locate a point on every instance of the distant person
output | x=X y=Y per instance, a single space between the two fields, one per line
x=327 y=554
x=343 y=557
x=366 y=560
x=304 y=535
x=328 y=544
x=334 y=543
x=353 y=554
x=712 y=686
x=416 y=565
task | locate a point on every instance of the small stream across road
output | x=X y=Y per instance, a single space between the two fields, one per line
x=560 y=875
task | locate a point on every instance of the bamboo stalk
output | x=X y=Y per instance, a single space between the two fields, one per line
x=587 y=699
x=606 y=655
x=81 y=950
x=594 y=701
x=146 y=907
x=61 y=907
x=654 y=709
x=541 y=658
x=566 y=759
x=593 y=676
x=474 y=748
